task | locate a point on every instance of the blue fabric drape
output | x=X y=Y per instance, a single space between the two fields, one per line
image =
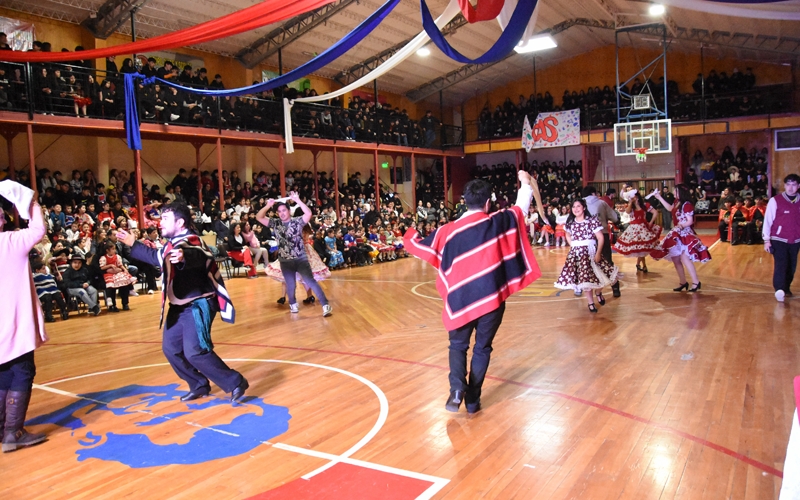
x=501 y=48
x=334 y=52
x=131 y=112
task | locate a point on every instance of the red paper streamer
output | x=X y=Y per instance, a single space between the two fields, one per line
x=262 y=14
x=486 y=10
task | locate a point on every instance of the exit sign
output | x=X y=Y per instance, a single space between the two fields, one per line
x=385 y=164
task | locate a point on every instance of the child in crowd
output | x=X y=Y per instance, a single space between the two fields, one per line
x=48 y=292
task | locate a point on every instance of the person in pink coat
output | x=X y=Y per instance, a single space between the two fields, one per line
x=22 y=327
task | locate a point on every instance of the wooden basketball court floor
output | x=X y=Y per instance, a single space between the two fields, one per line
x=660 y=395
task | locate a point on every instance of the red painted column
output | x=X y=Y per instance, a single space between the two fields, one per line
x=316 y=181
x=444 y=171
x=12 y=170
x=137 y=164
x=282 y=168
x=413 y=184
x=219 y=175
x=32 y=158
x=198 y=161
x=377 y=179
x=336 y=180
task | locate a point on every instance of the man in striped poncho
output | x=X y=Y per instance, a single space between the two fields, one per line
x=481 y=259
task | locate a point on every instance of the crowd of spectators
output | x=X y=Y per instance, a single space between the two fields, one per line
x=76 y=89
x=725 y=96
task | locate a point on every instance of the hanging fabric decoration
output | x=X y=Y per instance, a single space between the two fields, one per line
x=262 y=14
x=501 y=48
x=449 y=13
x=486 y=10
x=345 y=44
x=527 y=135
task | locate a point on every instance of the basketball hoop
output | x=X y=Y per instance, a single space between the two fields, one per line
x=641 y=155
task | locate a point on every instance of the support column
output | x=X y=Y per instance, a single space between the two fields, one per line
x=336 y=180
x=198 y=161
x=12 y=169
x=219 y=175
x=377 y=179
x=32 y=159
x=282 y=168
x=519 y=160
x=413 y=184
x=316 y=181
x=444 y=171
x=137 y=164
x=394 y=171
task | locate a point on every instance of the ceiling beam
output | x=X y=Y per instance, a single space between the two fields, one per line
x=469 y=70
x=110 y=16
x=357 y=71
x=291 y=30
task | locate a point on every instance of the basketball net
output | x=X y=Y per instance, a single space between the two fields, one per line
x=641 y=155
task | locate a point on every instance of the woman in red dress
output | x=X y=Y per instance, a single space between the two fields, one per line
x=640 y=237
x=681 y=245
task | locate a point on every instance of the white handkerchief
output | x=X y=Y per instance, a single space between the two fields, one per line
x=19 y=195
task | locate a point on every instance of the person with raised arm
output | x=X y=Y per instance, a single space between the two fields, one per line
x=292 y=255
x=682 y=245
x=196 y=293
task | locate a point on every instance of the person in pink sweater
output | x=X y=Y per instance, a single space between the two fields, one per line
x=24 y=330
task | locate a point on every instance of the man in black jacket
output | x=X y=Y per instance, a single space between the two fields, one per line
x=196 y=293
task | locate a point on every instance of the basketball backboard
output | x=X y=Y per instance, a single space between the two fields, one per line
x=654 y=136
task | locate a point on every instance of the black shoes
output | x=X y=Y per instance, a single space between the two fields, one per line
x=695 y=287
x=282 y=300
x=454 y=401
x=615 y=292
x=600 y=299
x=309 y=300
x=592 y=308
x=113 y=309
x=684 y=286
x=65 y=315
x=474 y=407
x=192 y=395
x=238 y=392
x=126 y=307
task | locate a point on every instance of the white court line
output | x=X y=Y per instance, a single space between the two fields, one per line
x=438 y=483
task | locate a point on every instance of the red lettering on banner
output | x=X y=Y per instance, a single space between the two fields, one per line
x=546 y=130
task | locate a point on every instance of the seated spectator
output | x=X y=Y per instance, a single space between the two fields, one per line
x=77 y=279
x=239 y=251
x=48 y=292
x=116 y=277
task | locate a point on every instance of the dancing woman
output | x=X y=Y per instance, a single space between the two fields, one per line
x=318 y=268
x=641 y=237
x=585 y=267
x=681 y=245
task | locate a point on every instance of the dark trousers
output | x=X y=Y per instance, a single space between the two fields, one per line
x=606 y=251
x=723 y=231
x=785 y=257
x=17 y=374
x=149 y=273
x=485 y=329
x=290 y=270
x=47 y=303
x=196 y=366
x=752 y=233
x=124 y=293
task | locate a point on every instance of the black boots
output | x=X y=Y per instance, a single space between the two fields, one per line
x=14 y=434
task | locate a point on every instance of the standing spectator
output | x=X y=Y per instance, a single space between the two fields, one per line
x=781 y=233
x=429 y=124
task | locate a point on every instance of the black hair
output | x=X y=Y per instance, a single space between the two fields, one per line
x=476 y=193
x=571 y=216
x=791 y=177
x=684 y=195
x=181 y=211
x=588 y=191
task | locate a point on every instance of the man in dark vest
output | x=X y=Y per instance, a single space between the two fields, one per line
x=196 y=293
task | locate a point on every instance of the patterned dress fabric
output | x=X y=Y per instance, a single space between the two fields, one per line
x=580 y=271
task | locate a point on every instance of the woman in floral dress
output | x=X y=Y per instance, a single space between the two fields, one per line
x=641 y=237
x=681 y=245
x=585 y=267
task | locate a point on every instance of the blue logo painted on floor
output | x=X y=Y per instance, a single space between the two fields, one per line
x=182 y=433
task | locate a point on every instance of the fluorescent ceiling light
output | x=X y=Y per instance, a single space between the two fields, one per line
x=424 y=52
x=657 y=9
x=535 y=44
